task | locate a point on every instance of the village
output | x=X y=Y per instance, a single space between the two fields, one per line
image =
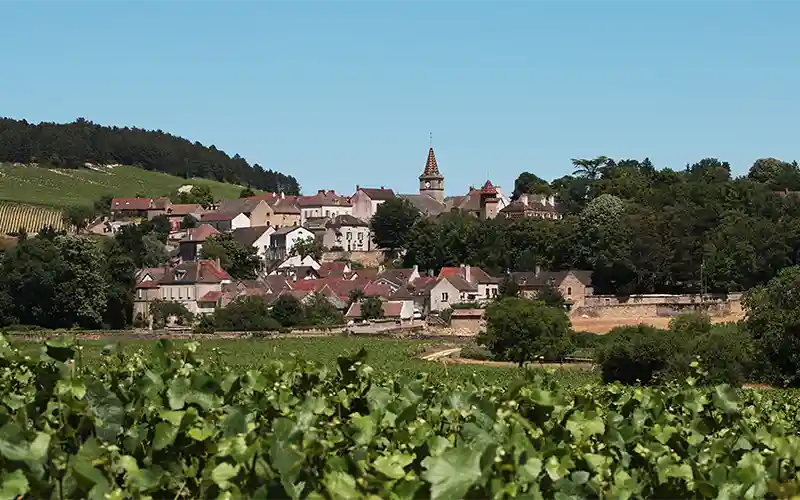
x=353 y=267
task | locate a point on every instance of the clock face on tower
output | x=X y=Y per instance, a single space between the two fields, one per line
x=427 y=184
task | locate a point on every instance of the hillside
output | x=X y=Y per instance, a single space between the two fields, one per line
x=63 y=187
x=73 y=145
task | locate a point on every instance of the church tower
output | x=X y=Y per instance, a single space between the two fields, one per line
x=431 y=182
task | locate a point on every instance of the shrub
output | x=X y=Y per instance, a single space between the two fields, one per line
x=691 y=323
x=245 y=314
x=726 y=354
x=475 y=351
x=632 y=354
x=519 y=330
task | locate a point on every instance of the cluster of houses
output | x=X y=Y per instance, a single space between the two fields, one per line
x=274 y=223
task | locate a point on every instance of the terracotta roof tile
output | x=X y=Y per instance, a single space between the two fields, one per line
x=118 y=204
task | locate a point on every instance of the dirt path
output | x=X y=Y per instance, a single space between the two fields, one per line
x=605 y=325
x=450 y=356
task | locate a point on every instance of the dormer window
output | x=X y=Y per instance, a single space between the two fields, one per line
x=180 y=274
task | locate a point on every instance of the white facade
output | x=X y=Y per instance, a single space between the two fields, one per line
x=329 y=211
x=240 y=220
x=296 y=261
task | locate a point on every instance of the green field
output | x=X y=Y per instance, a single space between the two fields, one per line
x=387 y=356
x=64 y=187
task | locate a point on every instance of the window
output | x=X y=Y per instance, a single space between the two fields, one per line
x=327 y=213
x=140 y=293
x=360 y=236
x=569 y=291
x=444 y=297
x=349 y=236
x=494 y=292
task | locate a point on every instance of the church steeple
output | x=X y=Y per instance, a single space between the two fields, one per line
x=431 y=182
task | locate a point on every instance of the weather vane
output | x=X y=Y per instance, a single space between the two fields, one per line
x=431 y=139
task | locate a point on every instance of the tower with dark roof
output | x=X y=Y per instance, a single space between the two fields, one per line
x=489 y=201
x=431 y=182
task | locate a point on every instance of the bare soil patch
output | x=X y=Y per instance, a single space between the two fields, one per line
x=605 y=325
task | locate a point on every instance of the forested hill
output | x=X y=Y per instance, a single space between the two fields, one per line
x=71 y=145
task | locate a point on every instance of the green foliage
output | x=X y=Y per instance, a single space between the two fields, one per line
x=310 y=246
x=78 y=216
x=551 y=296
x=520 y=330
x=288 y=311
x=246 y=193
x=371 y=308
x=691 y=324
x=320 y=312
x=508 y=288
x=164 y=312
x=245 y=314
x=172 y=425
x=473 y=350
x=239 y=261
x=188 y=222
x=638 y=354
x=773 y=321
x=199 y=193
x=392 y=224
x=528 y=183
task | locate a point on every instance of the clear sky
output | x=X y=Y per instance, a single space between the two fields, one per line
x=342 y=93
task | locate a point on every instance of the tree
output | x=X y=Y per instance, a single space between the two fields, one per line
x=591 y=169
x=71 y=145
x=78 y=216
x=200 y=194
x=239 y=261
x=310 y=246
x=528 y=183
x=245 y=314
x=519 y=330
x=371 y=308
x=320 y=312
x=158 y=226
x=551 y=296
x=773 y=320
x=246 y=193
x=188 y=222
x=509 y=288
x=392 y=224
x=288 y=311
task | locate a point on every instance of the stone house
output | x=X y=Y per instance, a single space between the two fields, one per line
x=487 y=287
x=450 y=290
x=575 y=285
x=468 y=319
x=257 y=237
x=365 y=201
x=258 y=211
x=282 y=241
x=191 y=245
x=130 y=208
x=323 y=204
x=225 y=221
x=285 y=212
x=346 y=232
x=198 y=285
x=533 y=205
x=402 y=311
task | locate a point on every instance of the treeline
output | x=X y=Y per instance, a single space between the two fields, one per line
x=71 y=145
x=640 y=229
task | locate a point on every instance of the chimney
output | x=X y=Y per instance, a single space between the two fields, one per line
x=321 y=191
x=216 y=261
x=471 y=187
x=468 y=274
x=524 y=198
x=415 y=269
x=381 y=187
x=538 y=269
x=283 y=195
x=357 y=187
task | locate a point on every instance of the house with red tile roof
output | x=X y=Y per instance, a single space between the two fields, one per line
x=323 y=204
x=198 y=285
x=398 y=310
x=488 y=287
x=191 y=245
x=125 y=208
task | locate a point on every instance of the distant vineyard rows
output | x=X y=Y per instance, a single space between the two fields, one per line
x=32 y=218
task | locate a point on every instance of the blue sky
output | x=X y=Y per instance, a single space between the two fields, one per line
x=342 y=93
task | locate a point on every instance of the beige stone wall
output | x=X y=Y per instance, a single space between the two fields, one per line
x=471 y=324
x=366 y=259
x=644 y=310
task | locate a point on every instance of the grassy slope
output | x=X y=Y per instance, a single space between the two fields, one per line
x=61 y=188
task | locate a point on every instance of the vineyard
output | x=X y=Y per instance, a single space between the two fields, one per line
x=173 y=425
x=64 y=187
x=14 y=216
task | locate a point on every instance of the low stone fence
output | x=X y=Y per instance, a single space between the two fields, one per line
x=624 y=311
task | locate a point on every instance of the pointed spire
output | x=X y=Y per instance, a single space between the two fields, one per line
x=431 y=168
x=489 y=188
